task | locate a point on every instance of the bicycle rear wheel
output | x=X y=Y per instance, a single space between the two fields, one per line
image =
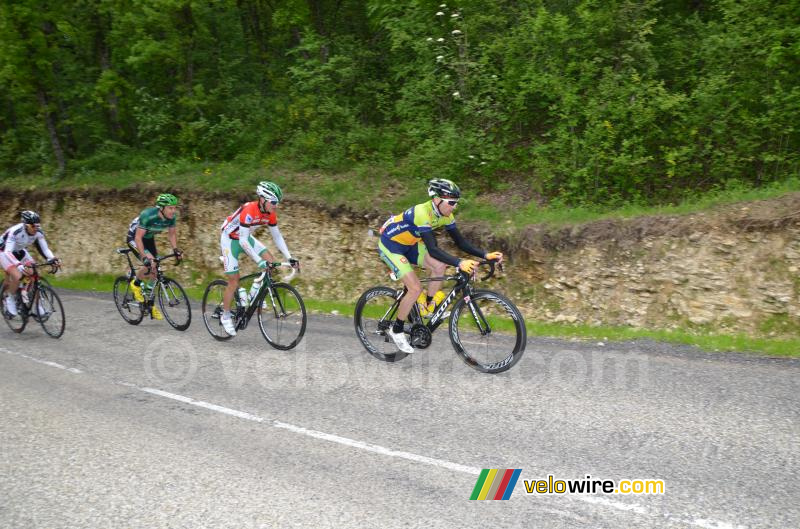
x=375 y=312
x=174 y=304
x=488 y=331
x=15 y=323
x=212 y=309
x=48 y=310
x=130 y=309
x=282 y=317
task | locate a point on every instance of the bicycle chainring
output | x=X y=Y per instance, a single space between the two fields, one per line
x=421 y=336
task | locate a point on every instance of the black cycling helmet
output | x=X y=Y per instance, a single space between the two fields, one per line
x=443 y=188
x=30 y=217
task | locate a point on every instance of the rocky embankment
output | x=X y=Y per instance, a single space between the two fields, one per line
x=735 y=268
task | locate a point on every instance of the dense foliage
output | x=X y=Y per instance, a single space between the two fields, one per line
x=584 y=101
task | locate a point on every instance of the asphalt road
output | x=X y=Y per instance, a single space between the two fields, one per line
x=122 y=426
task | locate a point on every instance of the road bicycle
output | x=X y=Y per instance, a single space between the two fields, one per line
x=172 y=299
x=279 y=309
x=36 y=300
x=486 y=328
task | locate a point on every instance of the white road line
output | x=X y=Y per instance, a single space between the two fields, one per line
x=377 y=449
x=713 y=524
x=633 y=507
x=202 y=404
x=43 y=362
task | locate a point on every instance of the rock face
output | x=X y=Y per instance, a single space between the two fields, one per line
x=736 y=269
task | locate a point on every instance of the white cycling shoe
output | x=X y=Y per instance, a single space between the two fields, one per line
x=11 y=306
x=227 y=324
x=400 y=340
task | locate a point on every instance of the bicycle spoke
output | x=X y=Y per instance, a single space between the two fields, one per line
x=212 y=309
x=374 y=314
x=49 y=312
x=284 y=325
x=174 y=304
x=488 y=332
x=128 y=307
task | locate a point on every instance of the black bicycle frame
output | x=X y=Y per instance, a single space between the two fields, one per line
x=260 y=296
x=462 y=287
x=157 y=263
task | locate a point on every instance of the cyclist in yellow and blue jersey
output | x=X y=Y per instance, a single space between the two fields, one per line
x=408 y=239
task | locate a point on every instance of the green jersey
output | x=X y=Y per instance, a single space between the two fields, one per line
x=150 y=220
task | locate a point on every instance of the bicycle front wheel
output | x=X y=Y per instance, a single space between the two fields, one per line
x=375 y=312
x=174 y=304
x=48 y=310
x=282 y=317
x=488 y=331
x=130 y=309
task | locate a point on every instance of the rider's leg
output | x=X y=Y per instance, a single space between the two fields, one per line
x=412 y=283
x=13 y=277
x=436 y=269
x=150 y=252
x=400 y=265
x=230 y=290
x=230 y=262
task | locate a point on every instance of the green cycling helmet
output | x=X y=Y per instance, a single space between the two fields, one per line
x=269 y=191
x=166 y=199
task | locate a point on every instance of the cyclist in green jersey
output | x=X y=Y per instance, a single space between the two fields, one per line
x=141 y=238
x=407 y=239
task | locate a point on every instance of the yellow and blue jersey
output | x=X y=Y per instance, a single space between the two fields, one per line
x=406 y=229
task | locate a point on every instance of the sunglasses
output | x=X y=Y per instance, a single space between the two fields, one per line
x=273 y=202
x=453 y=203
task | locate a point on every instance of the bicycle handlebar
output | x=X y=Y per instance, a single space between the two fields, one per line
x=164 y=257
x=459 y=274
x=52 y=263
x=492 y=264
x=287 y=264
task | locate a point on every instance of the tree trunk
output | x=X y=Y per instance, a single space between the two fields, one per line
x=251 y=15
x=52 y=131
x=187 y=29
x=104 y=59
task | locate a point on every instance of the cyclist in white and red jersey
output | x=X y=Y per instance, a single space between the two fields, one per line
x=14 y=256
x=237 y=235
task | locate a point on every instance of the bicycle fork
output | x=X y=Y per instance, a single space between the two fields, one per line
x=477 y=314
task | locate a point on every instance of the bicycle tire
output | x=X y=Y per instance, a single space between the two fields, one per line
x=123 y=300
x=275 y=302
x=168 y=301
x=500 y=312
x=21 y=318
x=211 y=310
x=373 y=315
x=52 y=306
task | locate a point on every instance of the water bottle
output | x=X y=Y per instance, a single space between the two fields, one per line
x=256 y=286
x=244 y=301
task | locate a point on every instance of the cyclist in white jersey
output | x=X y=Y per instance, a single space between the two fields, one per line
x=14 y=256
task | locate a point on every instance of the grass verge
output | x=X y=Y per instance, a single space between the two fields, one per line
x=713 y=342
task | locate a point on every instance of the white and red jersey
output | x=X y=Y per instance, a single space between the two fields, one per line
x=14 y=246
x=17 y=239
x=248 y=216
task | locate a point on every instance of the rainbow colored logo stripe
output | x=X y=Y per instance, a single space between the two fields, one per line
x=495 y=484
